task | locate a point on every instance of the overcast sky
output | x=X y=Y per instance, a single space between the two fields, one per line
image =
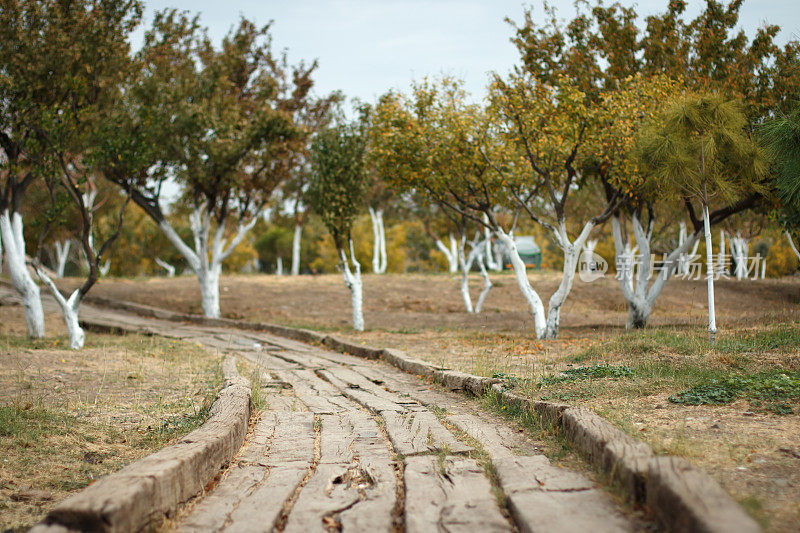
x=366 y=47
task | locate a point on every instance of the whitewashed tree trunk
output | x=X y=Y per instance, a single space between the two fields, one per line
x=166 y=266
x=498 y=256
x=572 y=252
x=69 y=309
x=491 y=262
x=685 y=258
x=209 y=290
x=636 y=288
x=62 y=256
x=28 y=290
x=451 y=254
x=791 y=245
x=487 y=284
x=721 y=255
x=279 y=266
x=712 y=317
x=763 y=268
x=384 y=264
x=105 y=268
x=298 y=235
x=378 y=241
x=740 y=249
x=520 y=272
x=206 y=258
x=462 y=261
x=88 y=201
x=352 y=280
x=589 y=247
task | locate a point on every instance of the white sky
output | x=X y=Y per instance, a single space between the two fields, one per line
x=366 y=47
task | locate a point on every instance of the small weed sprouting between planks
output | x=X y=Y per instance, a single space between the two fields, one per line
x=772 y=390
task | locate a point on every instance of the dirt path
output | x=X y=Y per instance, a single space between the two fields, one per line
x=347 y=444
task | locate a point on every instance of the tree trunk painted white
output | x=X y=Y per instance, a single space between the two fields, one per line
x=791 y=244
x=105 y=268
x=21 y=279
x=590 y=246
x=378 y=241
x=520 y=272
x=740 y=249
x=462 y=261
x=490 y=259
x=88 y=201
x=498 y=256
x=209 y=290
x=640 y=297
x=298 y=234
x=62 y=256
x=451 y=254
x=572 y=252
x=206 y=258
x=686 y=259
x=69 y=309
x=352 y=280
x=166 y=266
x=279 y=266
x=382 y=232
x=712 y=318
x=721 y=255
x=763 y=268
x=487 y=285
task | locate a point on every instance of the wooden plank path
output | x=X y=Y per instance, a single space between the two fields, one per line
x=348 y=444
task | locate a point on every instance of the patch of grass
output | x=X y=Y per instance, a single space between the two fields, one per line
x=28 y=423
x=257 y=390
x=773 y=388
x=603 y=370
x=780 y=337
x=175 y=426
x=637 y=344
x=69 y=417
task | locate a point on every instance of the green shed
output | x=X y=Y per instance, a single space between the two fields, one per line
x=529 y=252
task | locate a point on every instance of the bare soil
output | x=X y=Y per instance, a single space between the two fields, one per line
x=754 y=454
x=401 y=302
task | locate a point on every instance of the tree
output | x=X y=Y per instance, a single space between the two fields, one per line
x=336 y=192
x=60 y=63
x=216 y=121
x=378 y=197
x=781 y=136
x=603 y=45
x=548 y=130
x=421 y=146
x=602 y=48
x=700 y=148
x=311 y=116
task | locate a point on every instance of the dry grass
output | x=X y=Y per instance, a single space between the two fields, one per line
x=68 y=417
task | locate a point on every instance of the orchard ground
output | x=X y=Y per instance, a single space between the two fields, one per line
x=732 y=409
x=68 y=417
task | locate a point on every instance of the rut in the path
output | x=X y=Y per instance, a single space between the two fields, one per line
x=348 y=444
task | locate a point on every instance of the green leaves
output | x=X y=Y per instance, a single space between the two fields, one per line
x=338 y=180
x=700 y=148
x=782 y=137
